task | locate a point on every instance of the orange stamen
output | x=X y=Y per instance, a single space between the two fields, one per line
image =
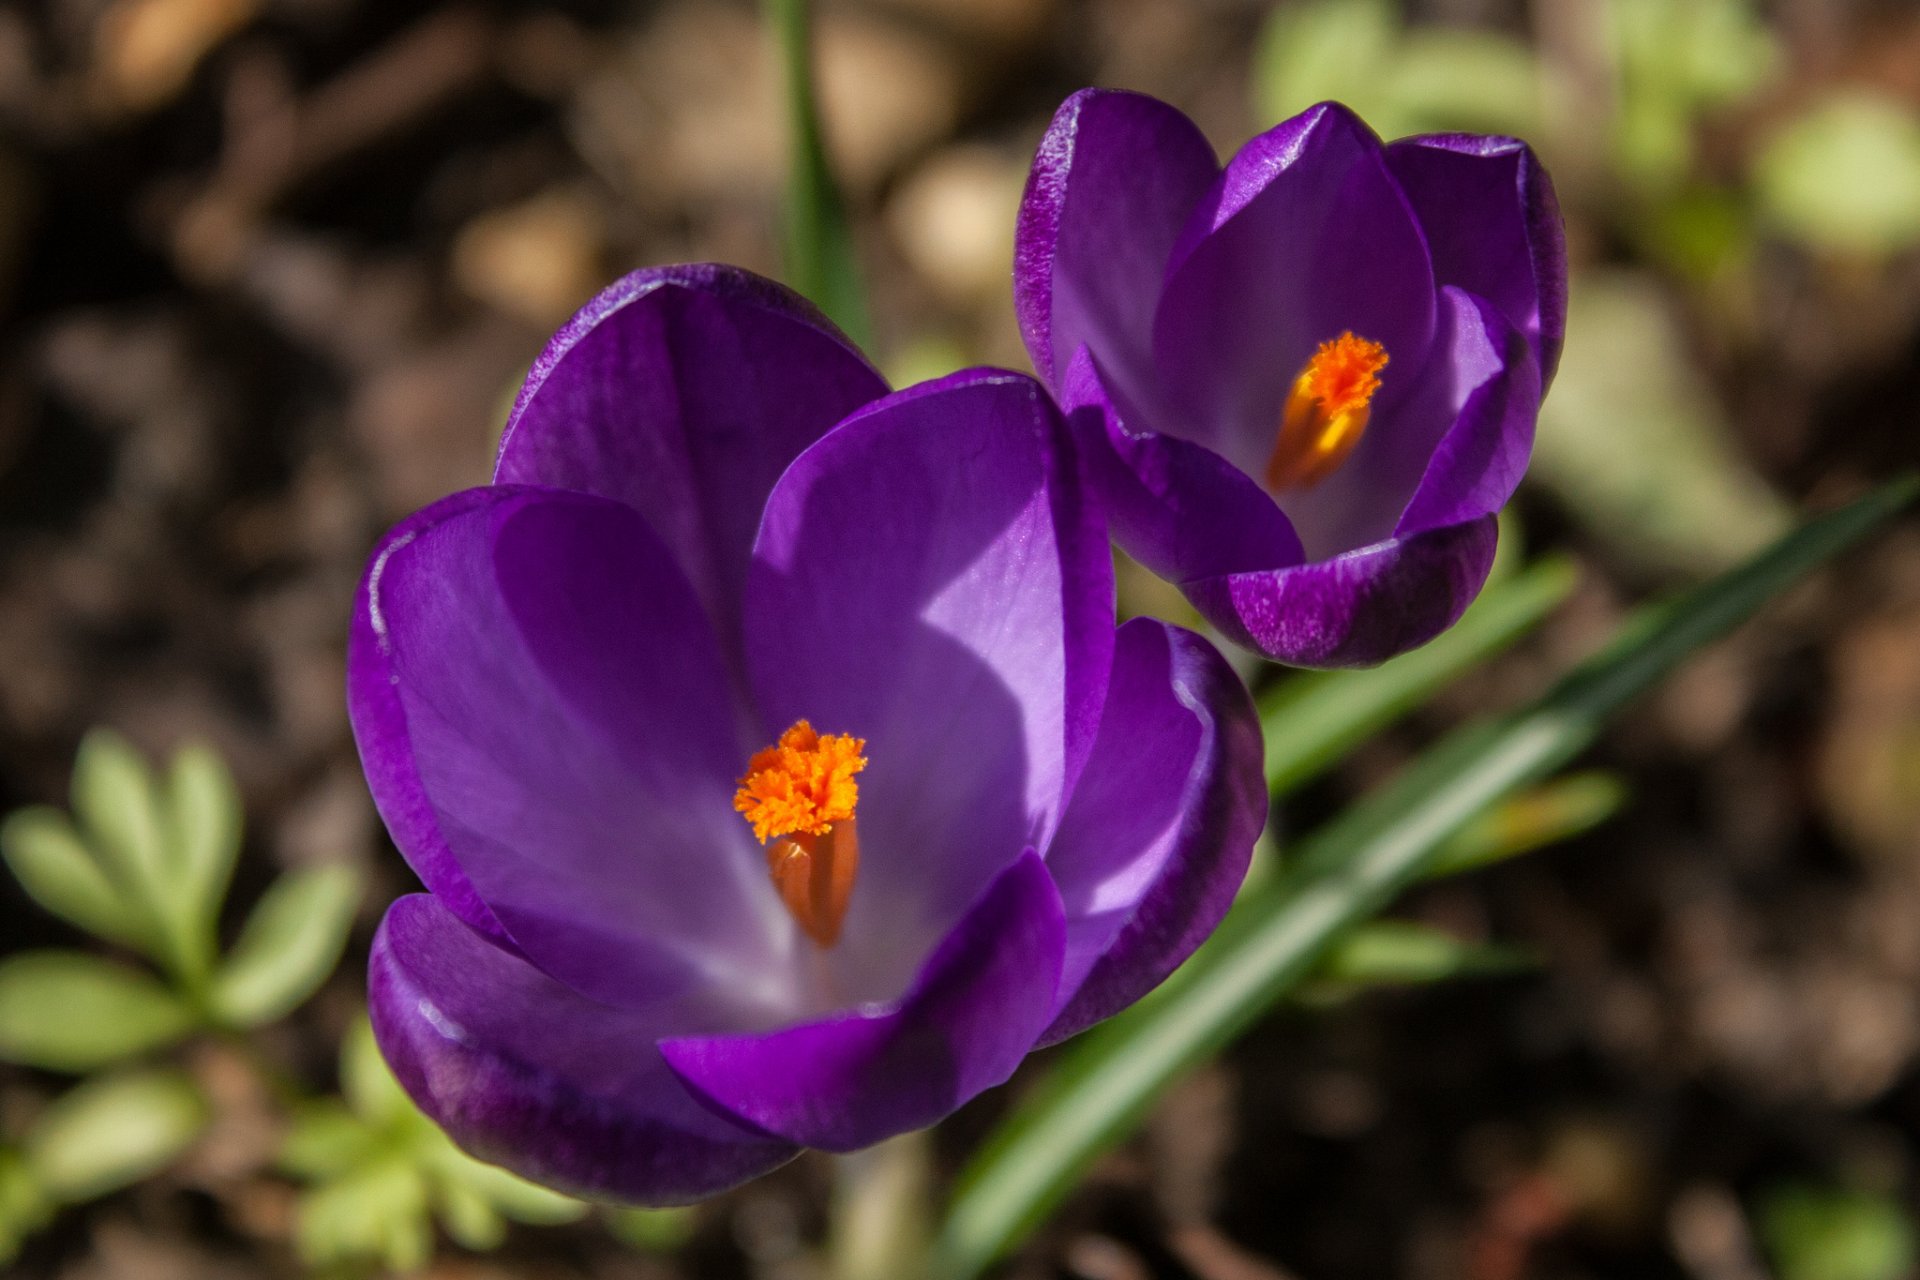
x=800 y=795
x=1326 y=412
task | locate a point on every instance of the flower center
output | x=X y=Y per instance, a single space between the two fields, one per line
x=1326 y=412
x=799 y=794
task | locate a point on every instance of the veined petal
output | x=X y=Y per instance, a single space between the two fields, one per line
x=1478 y=463
x=684 y=392
x=1356 y=609
x=379 y=720
x=932 y=578
x=525 y=1072
x=1113 y=182
x=972 y=1014
x=1162 y=824
x=1493 y=226
x=1305 y=236
x=584 y=794
x=1177 y=507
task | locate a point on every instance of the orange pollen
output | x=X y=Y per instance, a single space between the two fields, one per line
x=1344 y=373
x=1326 y=412
x=800 y=795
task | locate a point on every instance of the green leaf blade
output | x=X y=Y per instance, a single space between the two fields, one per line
x=1401 y=952
x=1275 y=935
x=288 y=946
x=57 y=870
x=1554 y=811
x=118 y=804
x=113 y=797
x=1314 y=719
x=203 y=830
x=110 y=1133
x=69 y=1011
x=821 y=261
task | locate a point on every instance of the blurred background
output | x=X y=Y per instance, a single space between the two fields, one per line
x=270 y=272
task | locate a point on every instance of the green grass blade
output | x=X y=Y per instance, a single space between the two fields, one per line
x=820 y=253
x=1347 y=871
x=1315 y=718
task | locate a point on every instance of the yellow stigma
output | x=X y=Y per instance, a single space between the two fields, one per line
x=800 y=795
x=1326 y=412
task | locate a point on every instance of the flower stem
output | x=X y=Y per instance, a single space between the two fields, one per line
x=820 y=256
x=881 y=1219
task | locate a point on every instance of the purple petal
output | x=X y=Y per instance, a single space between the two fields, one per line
x=1493 y=226
x=932 y=578
x=524 y=1072
x=1306 y=235
x=1478 y=463
x=1357 y=609
x=380 y=731
x=974 y=1012
x=685 y=392
x=1113 y=182
x=1162 y=825
x=1178 y=508
x=585 y=793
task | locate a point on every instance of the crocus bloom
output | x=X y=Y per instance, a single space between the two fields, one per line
x=1309 y=380
x=765 y=742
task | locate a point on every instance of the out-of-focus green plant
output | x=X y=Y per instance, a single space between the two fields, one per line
x=99 y=1137
x=1828 y=1233
x=1845 y=175
x=1402 y=80
x=1314 y=719
x=651 y=1230
x=379 y=1174
x=1675 y=61
x=1401 y=953
x=1557 y=810
x=821 y=261
x=143 y=864
x=1633 y=441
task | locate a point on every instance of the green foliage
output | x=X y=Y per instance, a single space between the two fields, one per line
x=288 y=946
x=127 y=825
x=24 y=1207
x=651 y=1230
x=60 y=873
x=1674 y=61
x=820 y=250
x=1343 y=875
x=1401 y=80
x=69 y=1011
x=202 y=812
x=1845 y=176
x=101 y=1136
x=379 y=1174
x=1644 y=457
x=112 y=1132
x=147 y=865
x=1400 y=952
x=1540 y=816
x=144 y=863
x=1826 y=1233
x=1313 y=719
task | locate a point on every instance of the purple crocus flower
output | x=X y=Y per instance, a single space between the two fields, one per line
x=1309 y=380
x=766 y=744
